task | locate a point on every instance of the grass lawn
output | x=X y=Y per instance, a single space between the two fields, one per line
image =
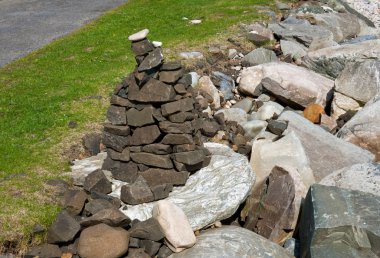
x=41 y=93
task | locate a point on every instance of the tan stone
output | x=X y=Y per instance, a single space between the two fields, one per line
x=313 y=113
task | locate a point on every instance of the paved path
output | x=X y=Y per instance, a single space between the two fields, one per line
x=26 y=25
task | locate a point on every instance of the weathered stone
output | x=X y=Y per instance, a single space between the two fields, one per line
x=258 y=34
x=149 y=159
x=302 y=32
x=145 y=135
x=181 y=117
x=117 y=115
x=294 y=49
x=164 y=252
x=205 y=86
x=137 y=253
x=189 y=158
x=209 y=128
x=364 y=128
x=175 y=226
x=45 y=250
x=155 y=177
x=177 y=139
x=313 y=113
x=332 y=60
x=112 y=217
x=171 y=76
x=225 y=83
x=183 y=105
x=169 y=127
x=277 y=126
x=184 y=147
x=97 y=182
x=121 y=101
x=122 y=156
x=227 y=178
x=140 y=118
x=171 y=66
x=180 y=88
x=148 y=229
x=254 y=127
x=150 y=247
x=144 y=77
x=103 y=241
x=328 y=123
x=259 y=56
x=360 y=80
x=63 y=230
x=233 y=114
x=152 y=91
x=139 y=35
x=241 y=243
x=136 y=193
x=96 y=205
x=91 y=143
x=339 y=223
x=341 y=104
x=325 y=152
x=116 y=142
x=280 y=201
x=269 y=110
x=142 y=47
x=157 y=148
x=125 y=171
x=111 y=199
x=152 y=60
x=245 y=104
x=73 y=201
x=116 y=129
x=161 y=191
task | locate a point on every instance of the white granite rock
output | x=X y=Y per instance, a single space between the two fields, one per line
x=361 y=177
x=175 y=226
x=232 y=242
x=212 y=194
x=139 y=35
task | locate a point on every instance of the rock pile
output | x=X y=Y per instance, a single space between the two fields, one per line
x=303 y=106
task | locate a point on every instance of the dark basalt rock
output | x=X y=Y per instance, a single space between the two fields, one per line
x=116 y=142
x=182 y=105
x=171 y=77
x=145 y=135
x=161 y=191
x=153 y=59
x=142 y=47
x=126 y=172
x=277 y=126
x=177 y=139
x=73 y=201
x=171 y=66
x=150 y=247
x=98 y=182
x=122 y=156
x=117 y=115
x=112 y=217
x=148 y=229
x=157 y=148
x=96 y=205
x=153 y=91
x=176 y=128
x=153 y=160
x=190 y=157
x=63 y=230
x=117 y=129
x=155 y=177
x=136 y=193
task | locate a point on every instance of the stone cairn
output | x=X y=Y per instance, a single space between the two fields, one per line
x=150 y=138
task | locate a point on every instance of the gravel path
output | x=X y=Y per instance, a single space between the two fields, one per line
x=26 y=25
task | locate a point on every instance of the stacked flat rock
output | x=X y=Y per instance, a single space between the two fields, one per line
x=150 y=138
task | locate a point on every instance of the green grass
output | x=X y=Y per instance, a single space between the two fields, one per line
x=41 y=93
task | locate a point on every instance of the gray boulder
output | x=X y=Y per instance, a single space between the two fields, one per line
x=326 y=152
x=225 y=83
x=340 y=223
x=294 y=49
x=360 y=80
x=364 y=128
x=232 y=241
x=259 y=56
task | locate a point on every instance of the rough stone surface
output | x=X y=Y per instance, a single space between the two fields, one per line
x=325 y=152
x=254 y=127
x=96 y=205
x=138 y=192
x=152 y=91
x=177 y=139
x=245 y=104
x=74 y=201
x=339 y=223
x=360 y=81
x=116 y=142
x=97 y=182
x=140 y=118
x=258 y=34
x=154 y=59
x=213 y=193
x=232 y=241
x=175 y=226
x=157 y=148
x=206 y=87
x=149 y=159
x=259 y=56
x=183 y=105
x=63 y=230
x=155 y=177
x=103 y=241
x=190 y=157
x=364 y=128
x=145 y=135
x=233 y=114
x=112 y=217
x=360 y=177
x=269 y=110
x=148 y=229
x=294 y=49
x=45 y=250
x=125 y=171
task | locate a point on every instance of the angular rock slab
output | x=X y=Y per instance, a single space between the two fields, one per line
x=325 y=151
x=213 y=193
x=360 y=177
x=340 y=223
x=231 y=242
x=332 y=60
x=364 y=128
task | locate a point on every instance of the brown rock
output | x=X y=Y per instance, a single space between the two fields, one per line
x=161 y=191
x=189 y=158
x=149 y=159
x=152 y=91
x=63 y=230
x=126 y=172
x=184 y=148
x=148 y=229
x=171 y=76
x=181 y=117
x=112 y=217
x=122 y=156
x=180 y=88
x=209 y=128
x=313 y=113
x=157 y=148
x=136 y=193
x=74 y=201
x=117 y=115
x=142 y=47
x=121 y=130
x=96 y=205
x=119 y=101
x=116 y=142
x=145 y=135
x=177 y=139
x=155 y=177
x=169 y=127
x=171 y=66
x=97 y=182
x=143 y=77
x=140 y=118
x=154 y=59
x=103 y=241
x=183 y=105
x=45 y=250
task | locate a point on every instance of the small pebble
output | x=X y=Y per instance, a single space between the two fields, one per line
x=218 y=224
x=196 y=22
x=157 y=43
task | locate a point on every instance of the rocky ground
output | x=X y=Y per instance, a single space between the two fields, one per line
x=266 y=153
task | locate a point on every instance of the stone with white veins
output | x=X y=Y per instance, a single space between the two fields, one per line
x=361 y=177
x=139 y=35
x=231 y=242
x=211 y=194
